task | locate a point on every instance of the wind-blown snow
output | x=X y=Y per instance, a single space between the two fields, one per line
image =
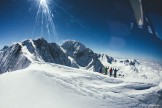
x=46 y=85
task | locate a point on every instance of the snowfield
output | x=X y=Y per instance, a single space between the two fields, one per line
x=47 y=85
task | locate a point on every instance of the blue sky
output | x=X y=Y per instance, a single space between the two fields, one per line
x=104 y=26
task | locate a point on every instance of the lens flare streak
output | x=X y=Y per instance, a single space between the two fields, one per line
x=44 y=18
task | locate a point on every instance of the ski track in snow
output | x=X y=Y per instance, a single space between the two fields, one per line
x=51 y=85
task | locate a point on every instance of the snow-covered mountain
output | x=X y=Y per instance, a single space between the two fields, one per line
x=71 y=53
x=39 y=81
x=82 y=56
x=12 y=58
x=20 y=55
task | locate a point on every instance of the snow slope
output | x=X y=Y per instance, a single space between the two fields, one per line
x=47 y=85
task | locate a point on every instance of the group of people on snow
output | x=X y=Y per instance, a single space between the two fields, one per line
x=105 y=71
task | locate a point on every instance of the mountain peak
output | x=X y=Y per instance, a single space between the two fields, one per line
x=41 y=39
x=5 y=47
x=73 y=45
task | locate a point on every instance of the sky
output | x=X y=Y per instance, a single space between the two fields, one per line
x=102 y=25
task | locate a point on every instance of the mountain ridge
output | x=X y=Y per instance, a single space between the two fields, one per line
x=76 y=55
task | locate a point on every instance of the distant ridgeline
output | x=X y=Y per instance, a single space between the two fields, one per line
x=70 y=53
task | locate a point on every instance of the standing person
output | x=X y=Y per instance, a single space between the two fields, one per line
x=110 y=72
x=100 y=70
x=115 y=73
x=106 y=70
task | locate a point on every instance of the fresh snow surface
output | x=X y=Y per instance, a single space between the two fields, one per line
x=47 y=85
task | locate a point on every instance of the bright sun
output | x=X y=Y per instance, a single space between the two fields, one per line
x=43 y=4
